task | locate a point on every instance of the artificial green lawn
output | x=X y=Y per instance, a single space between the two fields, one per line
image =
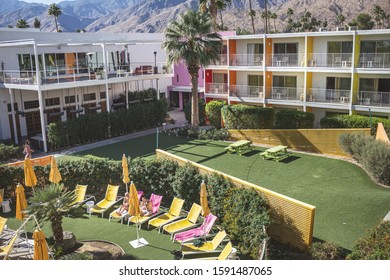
x=347 y=201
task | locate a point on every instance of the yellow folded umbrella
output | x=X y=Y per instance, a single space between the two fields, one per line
x=203 y=200
x=55 y=176
x=125 y=167
x=21 y=203
x=1 y=198
x=133 y=201
x=30 y=180
x=40 y=246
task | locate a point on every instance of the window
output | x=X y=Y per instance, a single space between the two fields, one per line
x=375 y=47
x=15 y=107
x=340 y=47
x=255 y=80
x=284 y=81
x=31 y=104
x=367 y=85
x=284 y=48
x=102 y=95
x=89 y=96
x=52 y=101
x=25 y=62
x=70 y=99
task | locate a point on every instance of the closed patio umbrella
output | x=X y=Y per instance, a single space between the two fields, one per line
x=55 y=176
x=134 y=210
x=21 y=203
x=203 y=200
x=30 y=179
x=40 y=246
x=125 y=168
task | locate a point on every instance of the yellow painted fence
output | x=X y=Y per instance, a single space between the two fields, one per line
x=293 y=220
x=322 y=141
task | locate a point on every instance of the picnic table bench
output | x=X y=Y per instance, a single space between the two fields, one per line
x=239 y=147
x=277 y=153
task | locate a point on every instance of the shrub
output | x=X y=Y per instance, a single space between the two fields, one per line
x=354 y=144
x=326 y=251
x=219 y=189
x=375 y=246
x=8 y=152
x=291 y=119
x=78 y=256
x=202 y=112
x=354 y=121
x=202 y=134
x=213 y=112
x=247 y=117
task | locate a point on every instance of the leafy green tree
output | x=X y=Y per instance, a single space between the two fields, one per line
x=340 y=19
x=363 y=21
x=55 y=11
x=21 y=23
x=252 y=14
x=190 y=40
x=210 y=6
x=37 y=23
x=51 y=204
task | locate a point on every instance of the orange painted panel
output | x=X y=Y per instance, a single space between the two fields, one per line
x=233 y=78
x=268 y=83
x=70 y=62
x=268 y=51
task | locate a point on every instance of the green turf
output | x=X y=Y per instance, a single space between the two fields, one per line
x=347 y=201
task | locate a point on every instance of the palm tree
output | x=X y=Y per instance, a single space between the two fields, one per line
x=266 y=16
x=21 y=23
x=37 y=23
x=189 y=39
x=340 y=19
x=51 y=204
x=221 y=5
x=212 y=10
x=252 y=14
x=54 y=11
x=274 y=16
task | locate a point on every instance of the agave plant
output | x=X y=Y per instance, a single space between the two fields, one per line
x=51 y=204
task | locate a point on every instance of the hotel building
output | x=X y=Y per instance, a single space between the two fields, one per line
x=58 y=76
x=326 y=72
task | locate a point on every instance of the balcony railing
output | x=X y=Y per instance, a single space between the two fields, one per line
x=222 y=61
x=374 y=98
x=247 y=60
x=374 y=60
x=286 y=60
x=216 y=88
x=328 y=95
x=247 y=91
x=334 y=60
x=286 y=93
x=93 y=72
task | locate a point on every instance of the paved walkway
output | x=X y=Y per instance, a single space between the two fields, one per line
x=177 y=115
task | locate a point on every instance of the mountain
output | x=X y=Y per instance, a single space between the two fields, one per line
x=154 y=15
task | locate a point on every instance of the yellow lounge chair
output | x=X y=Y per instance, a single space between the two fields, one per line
x=5 y=251
x=156 y=201
x=207 y=247
x=81 y=196
x=109 y=200
x=172 y=214
x=186 y=223
x=226 y=254
x=115 y=215
x=3 y=221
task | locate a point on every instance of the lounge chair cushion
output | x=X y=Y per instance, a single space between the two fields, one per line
x=112 y=193
x=161 y=220
x=176 y=206
x=179 y=225
x=80 y=193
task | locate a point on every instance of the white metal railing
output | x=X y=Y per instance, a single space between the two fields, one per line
x=18 y=77
x=247 y=60
x=328 y=95
x=222 y=61
x=287 y=93
x=247 y=91
x=374 y=60
x=334 y=60
x=216 y=88
x=286 y=60
x=374 y=98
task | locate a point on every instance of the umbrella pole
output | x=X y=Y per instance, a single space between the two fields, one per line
x=136 y=225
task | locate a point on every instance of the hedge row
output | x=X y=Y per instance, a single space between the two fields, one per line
x=372 y=154
x=247 y=117
x=213 y=112
x=354 y=121
x=8 y=152
x=242 y=212
x=291 y=119
x=93 y=127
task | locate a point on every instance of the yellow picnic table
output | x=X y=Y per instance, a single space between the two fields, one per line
x=239 y=147
x=277 y=153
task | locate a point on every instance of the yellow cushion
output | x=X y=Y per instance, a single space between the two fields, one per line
x=160 y=220
x=225 y=252
x=176 y=206
x=134 y=219
x=194 y=213
x=112 y=192
x=80 y=193
x=176 y=226
x=207 y=246
x=3 y=221
x=102 y=206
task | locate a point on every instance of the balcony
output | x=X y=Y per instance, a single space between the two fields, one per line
x=374 y=98
x=222 y=61
x=374 y=60
x=285 y=60
x=216 y=88
x=247 y=91
x=287 y=93
x=328 y=95
x=332 y=60
x=247 y=60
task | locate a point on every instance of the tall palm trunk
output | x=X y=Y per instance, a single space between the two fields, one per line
x=214 y=14
x=220 y=14
x=56 y=226
x=55 y=20
x=266 y=16
x=193 y=70
x=252 y=16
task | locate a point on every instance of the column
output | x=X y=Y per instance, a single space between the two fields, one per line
x=106 y=77
x=181 y=101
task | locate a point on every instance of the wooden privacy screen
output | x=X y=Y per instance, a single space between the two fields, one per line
x=42 y=161
x=381 y=134
x=322 y=141
x=293 y=220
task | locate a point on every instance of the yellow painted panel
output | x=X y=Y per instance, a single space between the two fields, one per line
x=321 y=141
x=357 y=50
x=355 y=88
x=310 y=43
x=293 y=220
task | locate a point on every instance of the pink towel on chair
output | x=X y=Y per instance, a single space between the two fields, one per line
x=156 y=201
x=203 y=230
